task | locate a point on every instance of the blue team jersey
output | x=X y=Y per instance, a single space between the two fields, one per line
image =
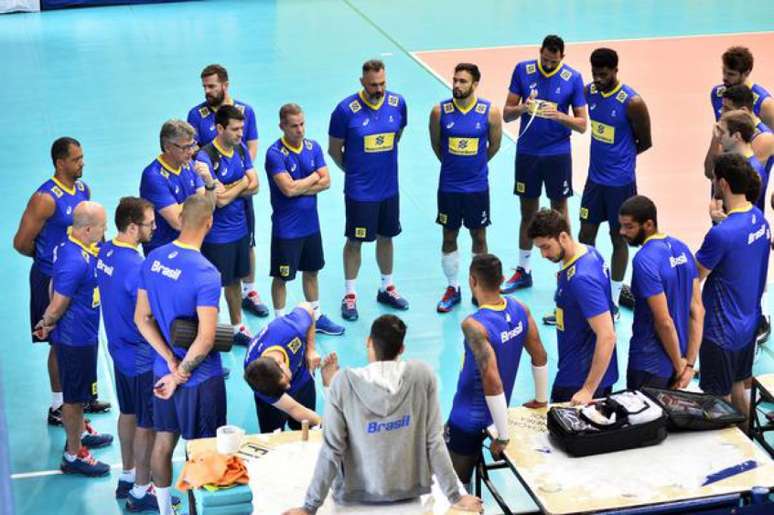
x=561 y=88
x=663 y=265
x=118 y=274
x=583 y=292
x=762 y=128
x=716 y=97
x=293 y=217
x=760 y=169
x=286 y=334
x=229 y=223
x=506 y=326
x=178 y=279
x=202 y=118
x=370 y=133
x=54 y=231
x=464 y=144
x=737 y=252
x=164 y=186
x=613 y=149
x=75 y=277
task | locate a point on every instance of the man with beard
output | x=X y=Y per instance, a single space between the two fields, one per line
x=668 y=313
x=737 y=66
x=465 y=133
x=364 y=132
x=202 y=117
x=541 y=93
x=588 y=367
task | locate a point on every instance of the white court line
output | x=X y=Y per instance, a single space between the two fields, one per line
x=57 y=472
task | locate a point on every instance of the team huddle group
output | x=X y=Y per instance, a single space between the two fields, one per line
x=195 y=221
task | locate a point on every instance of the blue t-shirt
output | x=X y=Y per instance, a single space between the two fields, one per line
x=177 y=280
x=583 y=292
x=716 y=98
x=118 y=273
x=464 y=147
x=562 y=88
x=286 y=334
x=229 y=223
x=760 y=169
x=613 y=148
x=663 y=265
x=506 y=326
x=164 y=186
x=54 y=231
x=202 y=118
x=370 y=134
x=737 y=252
x=75 y=277
x=762 y=128
x=293 y=217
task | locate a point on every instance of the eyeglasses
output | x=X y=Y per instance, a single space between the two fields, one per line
x=190 y=146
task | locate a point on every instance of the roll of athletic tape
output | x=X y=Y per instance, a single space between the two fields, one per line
x=229 y=439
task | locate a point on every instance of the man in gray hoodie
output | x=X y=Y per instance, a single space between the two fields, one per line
x=382 y=438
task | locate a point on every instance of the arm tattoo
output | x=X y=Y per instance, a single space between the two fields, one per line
x=480 y=347
x=189 y=365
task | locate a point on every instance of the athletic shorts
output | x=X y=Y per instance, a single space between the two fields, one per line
x=463 y=442
x=471 y=209
x=565 y=393
x=193 y=411
x=601 y=203
x=250 y=214
x=636 y=379
x=293 y=254
x=366 y=220
x=135 y=396
x=270 y=418
x=721 y=368
x=532 y=171
x=77 y=372
x=231 y=259
x=39 y=298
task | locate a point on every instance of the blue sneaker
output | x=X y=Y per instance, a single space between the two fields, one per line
x=84 y=464
x=392 y=298
x=520 y=279
x=123 y=489
x=148 y=502
x=242 y=337
x=325 y=325
x=95 y=440
x=252 y=304
x=451 y=298
x=349 y=307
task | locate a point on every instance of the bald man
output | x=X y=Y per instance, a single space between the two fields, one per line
x=72 y=321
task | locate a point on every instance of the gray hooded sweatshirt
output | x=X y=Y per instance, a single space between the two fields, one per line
x=382 y=438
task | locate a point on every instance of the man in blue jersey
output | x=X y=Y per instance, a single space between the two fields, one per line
x=668 y=313
x=216 y=85
x=177 y=282
x=278 y=367
x=465 y=133
x=227 y=245
x=364 y=133
x=43 y=226
x=620 y=130
x=585 y=335
x=737 y=66
x=297 y=173
x=541 y=93
x=72 y=320
x=734 y=261
x=494 y=338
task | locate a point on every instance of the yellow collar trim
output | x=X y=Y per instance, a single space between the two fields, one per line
x=119 y=243
x=91 y=250
x=743 y=209
x=71 y=191
x=462 y=109
x=376 y=106
x=228 y=154
x=167 y=166
x=495 y=307
x=582 y=252
x=182 y=245
x=549 y=74
x=279 y=349
x=657 y=236
x=290 y=147
x=615 y=90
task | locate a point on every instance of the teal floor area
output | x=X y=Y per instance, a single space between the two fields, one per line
x=111 y=76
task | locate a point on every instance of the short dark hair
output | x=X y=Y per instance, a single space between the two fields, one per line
x=741 y=122
x=264 y=376
x=735 y=169
x=739 y=59
x=488 y=269
x=60 y=149
x=372 y=65
x=215 y=69
x=387 y=333
x=227 y=113
x=547 y=223
x=553 y=43
x=471 y=68
x=604 y=58
x=289 y=109
x=131 y=210
x=640 y=208
x=741 y=96
x=754 y=188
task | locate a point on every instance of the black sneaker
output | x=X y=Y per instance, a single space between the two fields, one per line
x=626 y=299
x=764 y=330
x=550 y=319
x=96 y=406
x=55 y=416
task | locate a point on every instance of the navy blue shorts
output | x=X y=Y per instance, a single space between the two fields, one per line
x=231 y=259
x=40 y=298
x=601 y=203
x=193 y=411
x=77 y=372
x=636 y=379
x=270 y=418
x=366 y=220
x=135 y=396
x=565 y=393
x=293 y=254
x=462 y=442
x=250 y=214
x=721 y=368
x=532 y=171
x=471 y=209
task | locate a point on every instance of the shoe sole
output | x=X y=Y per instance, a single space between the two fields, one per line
x=100 y=446
x=446 y=310
x=329 y=333
x=506 y=291
x=393 y=306
x=255 y=312
x=79 y=473
x=760 y=340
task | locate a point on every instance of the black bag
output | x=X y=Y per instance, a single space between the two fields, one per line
x=184 y=332
x=694 y=411
x=629 y=420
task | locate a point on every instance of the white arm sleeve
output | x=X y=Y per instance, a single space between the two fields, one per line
x=499 y=410
x=540 y=375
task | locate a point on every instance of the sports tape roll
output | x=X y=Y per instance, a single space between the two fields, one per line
x=229 y=439
x=184 y=332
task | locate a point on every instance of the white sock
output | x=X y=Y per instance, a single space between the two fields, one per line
x=524 y=256
x=279 y=313
x=349 y=285
x=127 y=475
x=765 y=302
x=139 y=491
x=247 y=288
x=69 y=457
x=164 y=498
x=57 y=399
x=386 y=281
x=236 y=328
x=616 y=287
x=451 y=267
x=316 y=307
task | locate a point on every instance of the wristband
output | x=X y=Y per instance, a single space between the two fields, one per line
x=689 y=365
x=210 y=186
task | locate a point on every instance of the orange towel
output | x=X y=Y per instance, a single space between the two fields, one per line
x=209 y=467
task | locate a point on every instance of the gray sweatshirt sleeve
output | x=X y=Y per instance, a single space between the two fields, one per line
x=438 y=455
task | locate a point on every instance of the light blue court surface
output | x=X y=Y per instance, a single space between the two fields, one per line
x=111 y=76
